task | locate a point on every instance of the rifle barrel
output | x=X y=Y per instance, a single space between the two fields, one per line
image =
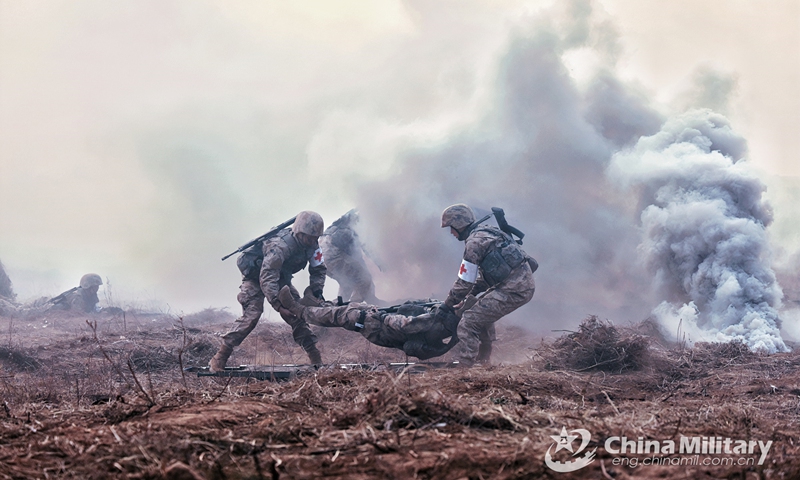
x=267 y=235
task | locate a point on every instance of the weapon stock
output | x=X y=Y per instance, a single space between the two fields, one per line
x=394 y=308
x=61 y=296
x=500 y=216
x=267 y=235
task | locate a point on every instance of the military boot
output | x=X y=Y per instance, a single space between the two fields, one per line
x=314 y=356
x=289 y=303
x=218 y=361
x=484 y=353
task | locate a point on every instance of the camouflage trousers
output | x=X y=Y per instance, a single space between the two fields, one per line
x=252 y=300
x=353 y=277
x=476 y=329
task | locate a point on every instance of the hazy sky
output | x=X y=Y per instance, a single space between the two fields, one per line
x=143 y=140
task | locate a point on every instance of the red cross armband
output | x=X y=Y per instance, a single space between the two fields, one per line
x=468 y=272
x=316 y=259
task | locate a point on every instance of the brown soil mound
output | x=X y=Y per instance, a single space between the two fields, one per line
x=599 y=345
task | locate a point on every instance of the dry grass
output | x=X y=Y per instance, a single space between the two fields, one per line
x=83 y=413
x=598 y=346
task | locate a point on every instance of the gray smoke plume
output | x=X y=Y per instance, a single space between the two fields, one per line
x=704 y=226
x=540 y=152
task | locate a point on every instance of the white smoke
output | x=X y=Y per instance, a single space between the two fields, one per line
x=704 y=229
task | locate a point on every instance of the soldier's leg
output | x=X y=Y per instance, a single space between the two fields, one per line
x=336 y=270
x=304 y=337
x=485 y=349
x=361 y=280
x=495 y=304
x=345 y=289
x=252 y=300
x=301 y=332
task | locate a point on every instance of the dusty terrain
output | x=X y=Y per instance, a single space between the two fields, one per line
x=112 y=402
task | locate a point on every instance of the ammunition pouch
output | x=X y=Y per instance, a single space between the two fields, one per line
x=359 y=325
x=499 y=263
x=533 y=263
x=249 y=263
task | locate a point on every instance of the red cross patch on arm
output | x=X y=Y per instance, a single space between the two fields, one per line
x=316 y=259
x=468 y=272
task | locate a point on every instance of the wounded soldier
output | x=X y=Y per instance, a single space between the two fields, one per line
x=415 y=329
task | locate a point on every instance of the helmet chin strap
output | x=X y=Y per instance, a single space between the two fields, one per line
x=469 y=228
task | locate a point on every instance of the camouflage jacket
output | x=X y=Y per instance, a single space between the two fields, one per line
x=80 y=300
x=482 y=249
x=283 y=257
x=340 y=240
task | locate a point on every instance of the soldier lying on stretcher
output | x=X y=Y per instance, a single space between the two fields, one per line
x=413 y=328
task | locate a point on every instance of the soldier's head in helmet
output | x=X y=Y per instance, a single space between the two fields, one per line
x=459 y=218
x=91 y=282
x=307 y=228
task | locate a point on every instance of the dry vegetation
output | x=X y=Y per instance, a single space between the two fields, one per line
x=109 y=400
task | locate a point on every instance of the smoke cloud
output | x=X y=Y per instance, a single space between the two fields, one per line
x=704 y=228
x=144 y=140
x=539 y=151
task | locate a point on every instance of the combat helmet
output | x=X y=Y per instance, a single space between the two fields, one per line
x=459 y=217
x=309 y=223
x=91 y=280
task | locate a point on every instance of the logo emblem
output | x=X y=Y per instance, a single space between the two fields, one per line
x=565 y=441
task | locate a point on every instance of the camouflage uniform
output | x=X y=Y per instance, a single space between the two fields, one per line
x=83 y=298
x=496 y=266
x=342 y=249
x=283 y=256
x=414 y=329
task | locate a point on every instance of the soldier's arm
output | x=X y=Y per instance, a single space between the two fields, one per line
x=75 y=301
x=480 y=286
x=271 y=273
x=316 y=273
x=475 y=249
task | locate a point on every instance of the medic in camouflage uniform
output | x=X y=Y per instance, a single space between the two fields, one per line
x=417 y=330
x=343 y=256
x=495 y=265
x=268 y=267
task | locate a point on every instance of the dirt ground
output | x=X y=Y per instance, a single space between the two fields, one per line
x=111 y=401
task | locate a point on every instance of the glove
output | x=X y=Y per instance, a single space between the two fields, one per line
x=446 y=315
x=445 y=309
x=317 y=293
x=443 y=312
